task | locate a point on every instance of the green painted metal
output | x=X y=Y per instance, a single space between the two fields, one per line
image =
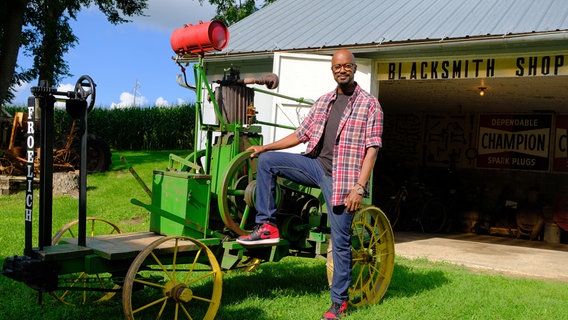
x=183 y=202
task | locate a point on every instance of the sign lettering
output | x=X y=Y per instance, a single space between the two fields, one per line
x=514 y=141
x=560 y=161
x=552 y=65
x=30 y=144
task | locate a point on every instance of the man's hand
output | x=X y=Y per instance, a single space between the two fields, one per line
x=289 y=141
x=256 y=150
x=353 y=201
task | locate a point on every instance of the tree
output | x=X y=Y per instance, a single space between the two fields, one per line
x=11 y=21
x=230 y=12
x=41 y=28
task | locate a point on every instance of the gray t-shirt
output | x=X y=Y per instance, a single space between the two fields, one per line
x=330 y=132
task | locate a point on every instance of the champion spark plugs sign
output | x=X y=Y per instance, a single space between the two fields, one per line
x=514 y=141
x=560 y=162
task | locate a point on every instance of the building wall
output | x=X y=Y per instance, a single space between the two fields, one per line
x=428 y=136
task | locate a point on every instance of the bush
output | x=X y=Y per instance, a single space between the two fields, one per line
x=156 y=128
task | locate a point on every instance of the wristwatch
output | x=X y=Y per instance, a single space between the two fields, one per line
x=360 y=190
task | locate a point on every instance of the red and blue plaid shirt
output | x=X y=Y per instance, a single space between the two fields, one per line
x=360 y=128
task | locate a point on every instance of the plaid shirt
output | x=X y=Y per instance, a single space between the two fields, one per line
x=360 y=128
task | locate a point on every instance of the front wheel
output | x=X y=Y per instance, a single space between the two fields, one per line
x=176 y=278
x=372 y=257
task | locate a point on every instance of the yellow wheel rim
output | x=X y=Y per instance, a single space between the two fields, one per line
x=81 y=288
x=173 y=278
x=372 y=257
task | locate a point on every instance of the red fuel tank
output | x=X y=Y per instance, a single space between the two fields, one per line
x=199 y=38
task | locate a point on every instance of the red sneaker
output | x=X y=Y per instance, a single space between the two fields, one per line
x=265 y=233
x=336 y=311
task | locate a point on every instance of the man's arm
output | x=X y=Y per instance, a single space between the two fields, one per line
x=368 y=165
x=289 y=141
x=354 y=200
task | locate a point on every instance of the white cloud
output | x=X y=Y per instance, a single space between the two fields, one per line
x=161 y=102
x=127 y=101
x=168 y=15
x=64 y=87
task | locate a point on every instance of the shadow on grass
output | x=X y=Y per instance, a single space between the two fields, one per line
x=296 y=278
x=243 y=292
x=271 y=281
x=407 y=281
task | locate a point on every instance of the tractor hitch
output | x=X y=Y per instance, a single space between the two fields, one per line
x=36 y=273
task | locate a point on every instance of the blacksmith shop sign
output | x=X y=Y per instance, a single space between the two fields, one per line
x=463 y=68
x=560 y=162
x=514 y=141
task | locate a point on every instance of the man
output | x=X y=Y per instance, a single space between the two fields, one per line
x=343 y=132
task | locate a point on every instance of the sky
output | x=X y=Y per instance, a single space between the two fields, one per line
x=130 y=58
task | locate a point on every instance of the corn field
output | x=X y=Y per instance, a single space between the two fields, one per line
x=156 y=128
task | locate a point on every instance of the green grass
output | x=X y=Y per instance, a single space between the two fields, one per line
x=294 y=288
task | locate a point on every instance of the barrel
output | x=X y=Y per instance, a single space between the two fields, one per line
x=551 y=233
x=199 y=38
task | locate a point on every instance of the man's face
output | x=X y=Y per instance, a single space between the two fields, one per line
x=343 y=68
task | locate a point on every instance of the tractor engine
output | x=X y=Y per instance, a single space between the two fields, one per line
x=299 y=208
x=223 y=174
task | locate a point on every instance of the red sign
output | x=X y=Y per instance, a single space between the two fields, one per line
x=514 y=141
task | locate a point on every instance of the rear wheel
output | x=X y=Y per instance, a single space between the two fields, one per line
x=372 y=257
x=392 y=210
x=98 y=155
x=83 y=288
x=6 y=166
x=434 y=216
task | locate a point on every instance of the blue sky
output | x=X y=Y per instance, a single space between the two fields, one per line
x=119 y=57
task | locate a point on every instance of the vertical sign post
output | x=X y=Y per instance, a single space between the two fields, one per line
x=30 y=157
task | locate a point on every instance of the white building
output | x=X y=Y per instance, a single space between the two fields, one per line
x=479 y=86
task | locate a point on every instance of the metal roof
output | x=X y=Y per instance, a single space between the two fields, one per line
x=316 y=24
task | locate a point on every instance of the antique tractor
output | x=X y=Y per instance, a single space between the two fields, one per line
x=199 y=204
x=66 y=151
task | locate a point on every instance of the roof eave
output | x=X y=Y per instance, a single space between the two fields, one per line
x=557 y=35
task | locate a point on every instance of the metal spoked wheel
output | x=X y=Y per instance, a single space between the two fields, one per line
x=82 y=288
x=372 y=257
x=196 y=157
x=392 y=211
x=95 y=227
x=177 y=278
x=234 y=191
x=434 y=216
x=6 y=166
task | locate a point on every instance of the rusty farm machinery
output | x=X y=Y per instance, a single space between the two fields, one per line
x=13 y=140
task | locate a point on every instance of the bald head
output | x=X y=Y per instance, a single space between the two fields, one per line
x=343 y=67
x=343 y=55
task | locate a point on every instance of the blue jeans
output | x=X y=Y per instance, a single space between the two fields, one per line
x=308 y=172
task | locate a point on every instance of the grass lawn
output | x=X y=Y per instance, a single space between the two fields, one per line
x=294 y=288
